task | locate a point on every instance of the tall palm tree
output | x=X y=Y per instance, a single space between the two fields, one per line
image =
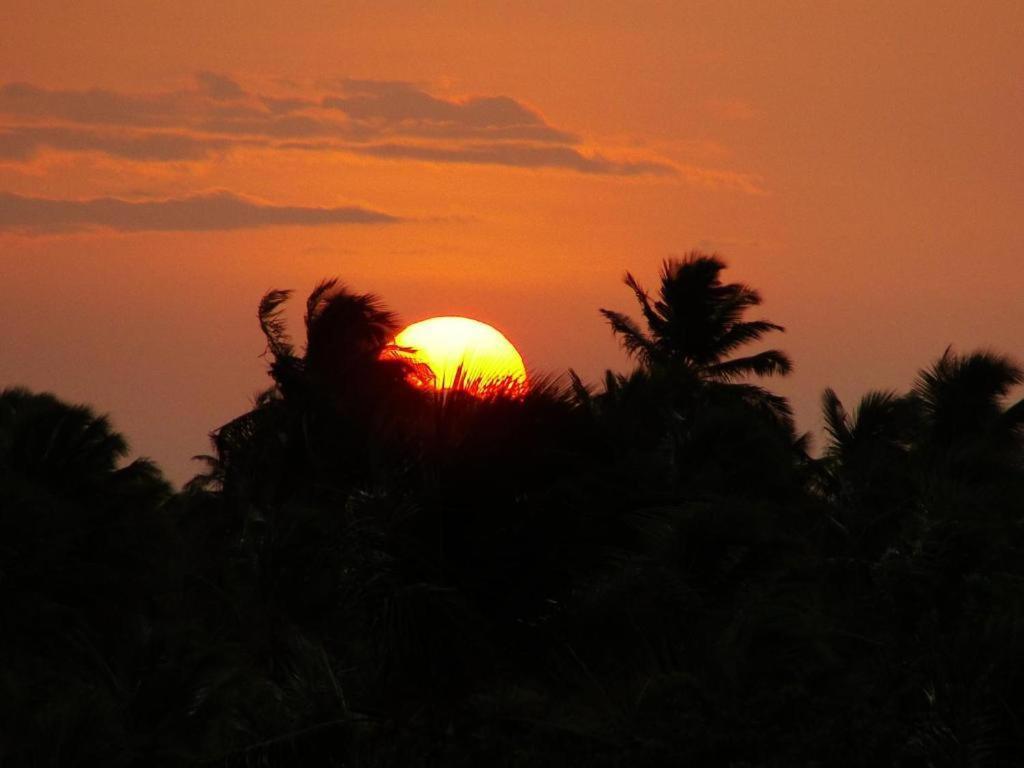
x=969 y=468
x=698 y=321
x=695 y=325
x=703 y=425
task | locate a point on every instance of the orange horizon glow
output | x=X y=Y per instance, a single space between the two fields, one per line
x=453 y=353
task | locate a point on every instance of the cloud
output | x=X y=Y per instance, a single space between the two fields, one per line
x=400 y=107
x=748 y=183
x=288 y=126
x=195 y=213
x=219 y=87
x=518 y=155
x=92 y=107
x=389 y=120
x=24 y=143
x=363 y=110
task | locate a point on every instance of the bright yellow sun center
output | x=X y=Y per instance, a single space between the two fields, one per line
x=461 y=354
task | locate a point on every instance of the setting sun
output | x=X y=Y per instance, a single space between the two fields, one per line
x=456 y=353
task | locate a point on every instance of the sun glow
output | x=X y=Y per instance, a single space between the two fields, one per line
x=456 y=353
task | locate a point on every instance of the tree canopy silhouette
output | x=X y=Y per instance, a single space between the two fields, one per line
x=650 y=570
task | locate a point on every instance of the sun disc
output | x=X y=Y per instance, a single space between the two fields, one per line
x=457 y=353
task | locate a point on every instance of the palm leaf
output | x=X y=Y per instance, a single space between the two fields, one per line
x=739 y=334
x=769 y=363
x=272 y=323
x=633 y=339
x=837 y=422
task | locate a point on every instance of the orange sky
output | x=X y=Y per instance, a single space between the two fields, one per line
x=163 y=164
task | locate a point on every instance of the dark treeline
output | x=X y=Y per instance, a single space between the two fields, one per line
x=651 y=571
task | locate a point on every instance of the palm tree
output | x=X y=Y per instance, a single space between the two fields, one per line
x=698 y=321
x=969 y=456
x=340 y=398
x=346 y=333
x=950 y=433
x=866 y=467
x=50 y=441
x=961 y=579
x=713 y=428
x=84 y=550
x=864 y=449
x=696 y=324
x=963 y=401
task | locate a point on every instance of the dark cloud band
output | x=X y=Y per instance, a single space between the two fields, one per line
x=196 y=213
x=519 y=155
x=24 y=143
x=393 y=120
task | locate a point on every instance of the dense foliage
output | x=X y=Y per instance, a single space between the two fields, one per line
x=652 y=571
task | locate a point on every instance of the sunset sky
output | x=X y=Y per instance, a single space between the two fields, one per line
x=163 y=164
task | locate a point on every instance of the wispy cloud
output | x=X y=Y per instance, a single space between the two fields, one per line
x=405 y=109
x=194 y=213
x=385 y=119
x=393 y=121
x=519 y=155
x=352 y=110
x=218 y=86
x=24 y=143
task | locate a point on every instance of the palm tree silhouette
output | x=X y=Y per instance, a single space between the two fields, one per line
x=701 y=422
x=963 y=397
x=866 y=469
x=333 y=406
x=698 y=321
x=346 y=333
x=971 y=444
x=56 y=442
x=953 y=425
x=865 y=448
x=695 y=325
x=84 y=548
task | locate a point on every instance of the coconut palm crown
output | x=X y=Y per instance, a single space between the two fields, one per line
x=697 y=320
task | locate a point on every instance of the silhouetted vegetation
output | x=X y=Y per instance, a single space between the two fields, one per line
x=650 y=571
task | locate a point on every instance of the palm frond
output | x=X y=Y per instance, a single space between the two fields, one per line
x=978 y=379
x=317 y=298
x=738 y=334
x=272 y=323
x=358 y=321
x=654 y=321
x=775 y=406
x=633 y=339
x=837 y=422
x=580 y=391
x=769 y=363
x=885 y=414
